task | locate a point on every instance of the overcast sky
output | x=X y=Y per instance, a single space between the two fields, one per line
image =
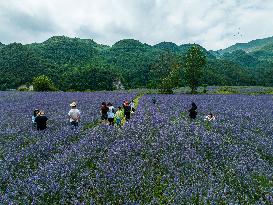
x=214 y=24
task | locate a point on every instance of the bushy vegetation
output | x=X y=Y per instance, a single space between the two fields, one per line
x=82 y=64
x=43 y=83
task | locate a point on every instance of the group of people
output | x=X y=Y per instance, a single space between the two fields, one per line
x=39 y=119
x=193 y=113
x=111 y=116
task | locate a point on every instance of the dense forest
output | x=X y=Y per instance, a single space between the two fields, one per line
x=83 y=64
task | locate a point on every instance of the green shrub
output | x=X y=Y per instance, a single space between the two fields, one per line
x=43 y=83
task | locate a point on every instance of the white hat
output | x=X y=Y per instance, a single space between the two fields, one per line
x=73 y=104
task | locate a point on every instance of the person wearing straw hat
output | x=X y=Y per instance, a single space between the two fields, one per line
x=74 y=115
x=40 y=121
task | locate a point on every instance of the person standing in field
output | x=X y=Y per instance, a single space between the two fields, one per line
x=110 y=113
x=104 y=110
x=127 y=111
x=41 y=120
x=35 y=114
x=119 y=116
x=74 y=115
x=125 y=102
x=192 y=111
x=132 y=105
x=154 y=100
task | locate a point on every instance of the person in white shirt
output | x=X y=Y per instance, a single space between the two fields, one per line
x=74 y=115
x=210 y=117
x=110 y=113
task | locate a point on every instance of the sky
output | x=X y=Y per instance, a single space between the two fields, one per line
x=214 y=24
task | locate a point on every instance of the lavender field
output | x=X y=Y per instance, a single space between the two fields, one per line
x=159 y=157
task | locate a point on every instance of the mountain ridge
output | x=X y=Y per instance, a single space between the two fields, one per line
x=75 y=63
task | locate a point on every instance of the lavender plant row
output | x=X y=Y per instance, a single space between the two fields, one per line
x=23 y=149
x=159 y=157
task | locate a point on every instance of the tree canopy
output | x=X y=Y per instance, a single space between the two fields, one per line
x=130 y=61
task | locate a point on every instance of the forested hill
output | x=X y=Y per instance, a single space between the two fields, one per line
x=83 y=64
x=251 y=46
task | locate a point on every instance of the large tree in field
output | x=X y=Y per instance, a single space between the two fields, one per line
x=195 y=62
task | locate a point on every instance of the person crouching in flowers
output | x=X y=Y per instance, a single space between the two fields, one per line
x=119 y=116
x=74 y=115
x=40 y=121
x=210 y=117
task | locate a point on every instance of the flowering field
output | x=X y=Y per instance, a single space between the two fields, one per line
x=159 y=157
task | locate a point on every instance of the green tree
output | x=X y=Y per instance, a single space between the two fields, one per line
x=195 y=62
x=165 y=73
x=43 y=83
x=171 y=80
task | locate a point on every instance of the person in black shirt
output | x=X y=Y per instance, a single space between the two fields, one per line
x=127 y=110
x=192 y=111
x=154 y=100
x=104 y=110
x=41 y=121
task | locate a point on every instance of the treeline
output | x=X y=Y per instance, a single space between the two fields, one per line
x=82 y=64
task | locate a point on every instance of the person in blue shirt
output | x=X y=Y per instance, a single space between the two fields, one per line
x=35 y=113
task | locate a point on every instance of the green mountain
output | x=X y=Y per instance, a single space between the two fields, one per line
x=264 y=53
x=242 y=58
x=167 y=46
x=81 y=64
x=63 y=50
x=18 y=65
x=251 y=46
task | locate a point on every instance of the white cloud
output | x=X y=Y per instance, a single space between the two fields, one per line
x=214 y=24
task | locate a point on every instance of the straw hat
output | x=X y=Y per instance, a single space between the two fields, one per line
x=73 y=104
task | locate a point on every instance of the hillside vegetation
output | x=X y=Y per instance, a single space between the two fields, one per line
x=83 y=64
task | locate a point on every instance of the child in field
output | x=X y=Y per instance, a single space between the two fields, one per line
x=41 y=120
x=111 y=113
x=119 y=116
x=210 y=117
x=74 y=115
